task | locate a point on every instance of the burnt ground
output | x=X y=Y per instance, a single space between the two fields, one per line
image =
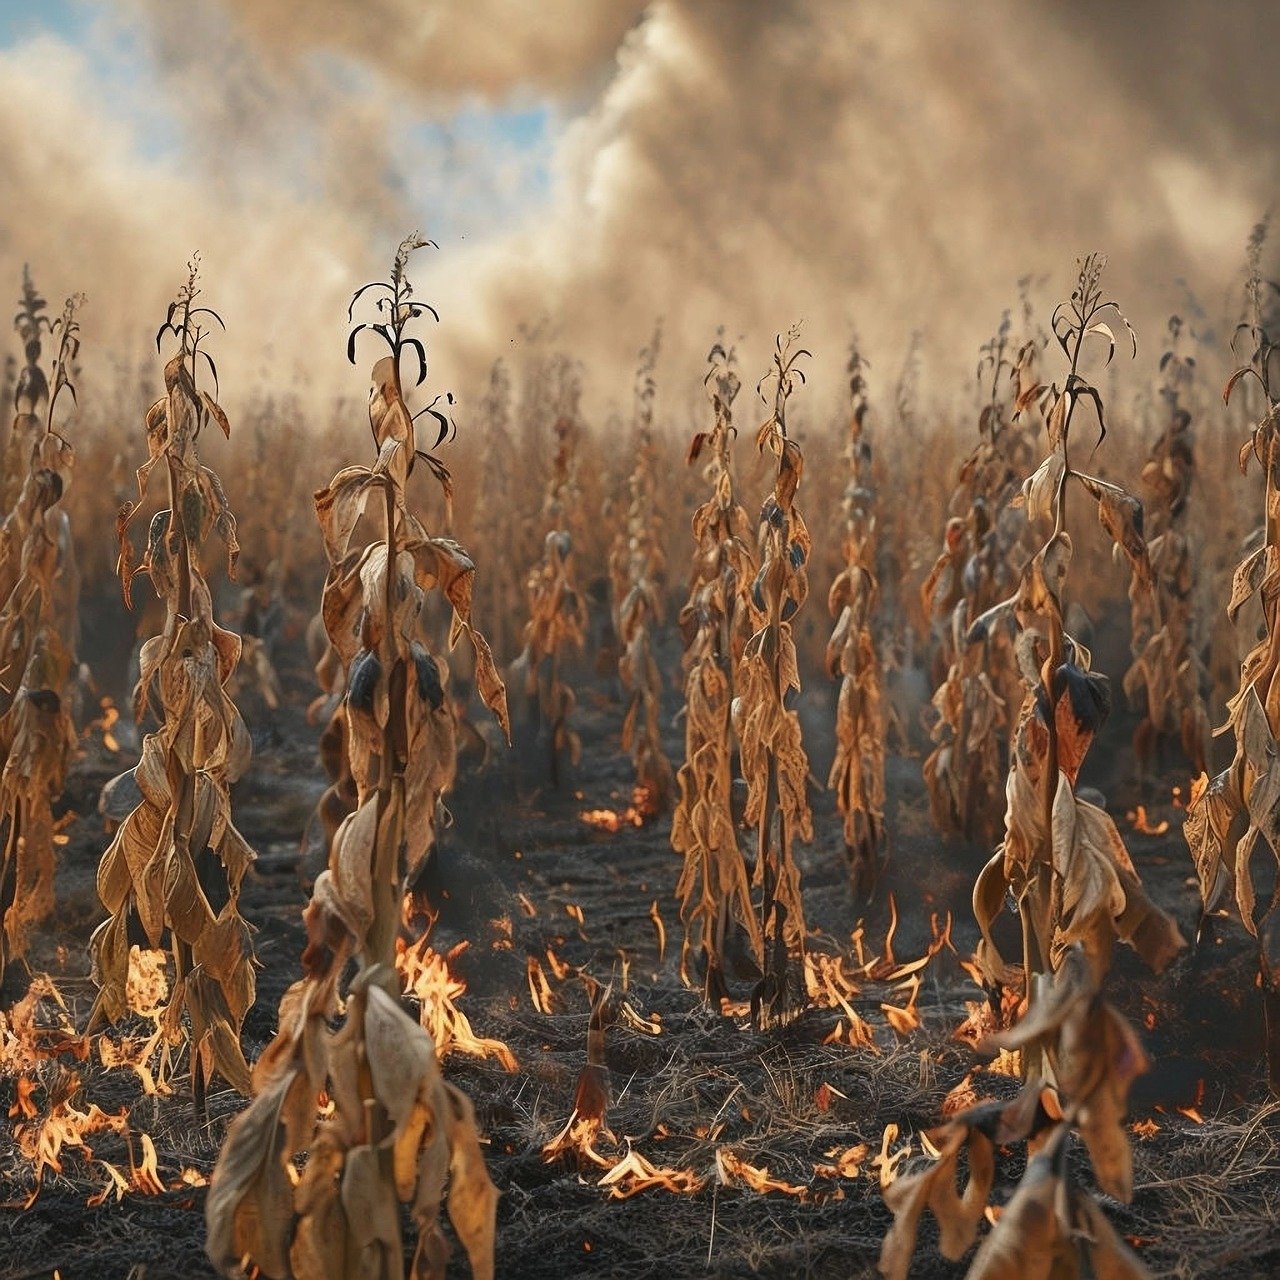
x=1205 y=1201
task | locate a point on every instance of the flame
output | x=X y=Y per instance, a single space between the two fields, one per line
x=578 y=1139
x=105 y=724
x=544 y=999
x=560 y=970
x=905 y=1019
x=633 y=1174
x=1008 y=1062
x=428 y=978
x=847 y=1163
x=1144 y=825
x=886 y=1164
x=146 y=1175
x=983 y=1021
x=43 y=1141
x=22 y=1105
x=147 y=989
x=732 y=1170
x=1145 y=1128
x=659 y=928
x=1193 y=1111
x=26 y=1037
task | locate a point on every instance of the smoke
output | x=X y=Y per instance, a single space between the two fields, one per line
x=897 y=167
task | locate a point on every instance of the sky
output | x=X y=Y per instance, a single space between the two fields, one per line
x=590 y=166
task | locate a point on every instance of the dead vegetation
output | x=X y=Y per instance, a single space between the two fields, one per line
x=774 y=763
x=637 y=575
x=721 y=929
x=397 y=1131
x=686 y=1132
x=1238 y=810
x=556 y=630
x=172 y=874
x=38 y=623
x=857 y=772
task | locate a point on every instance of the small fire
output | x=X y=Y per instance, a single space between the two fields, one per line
x=105 y=724
x=1192 y=1112
x=26 y=1036
x=429 y=979
x=983 y=1020
x=633 y=1174
x=43 y=1140
x=643 y=806
x=659 y=928
x=1145 y=826
x=960 y=1098
x=1008 y=1062
x=544 y=999
x=886 y=1163
x=732 y=1170
x=905 y=1018
x=847 y=1163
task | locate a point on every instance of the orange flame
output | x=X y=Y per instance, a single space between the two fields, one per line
x=428 y=978
x=1145 y=826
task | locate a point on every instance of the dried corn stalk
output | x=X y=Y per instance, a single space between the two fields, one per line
x=1051 y=1226
x=714 y=887
x=38 y=591
x=172 y=873
x=1238 y=811
x=398 y=1130
x=1167 y=676
x=557 y=611
x=773 y=758
x=497 y=517
x=857 y=773
x=637 y=573
x=979 y=683
x=1062 y=861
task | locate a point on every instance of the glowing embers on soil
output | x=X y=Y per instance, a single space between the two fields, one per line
x=644 y=805
x=429 y=979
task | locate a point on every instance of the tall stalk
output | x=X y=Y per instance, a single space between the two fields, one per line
x=1062 y=860
x=38 y=625
x=857 y=772
x=398 y=1130
x=721 y=928
x=1237 y=811
x=637 y=571
x=773 y=759
x=172 y=874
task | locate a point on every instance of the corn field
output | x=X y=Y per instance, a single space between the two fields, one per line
x=439 y=832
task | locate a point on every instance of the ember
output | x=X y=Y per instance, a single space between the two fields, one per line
x=643 y=806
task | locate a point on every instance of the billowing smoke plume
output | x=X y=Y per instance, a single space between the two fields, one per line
x=898 y=166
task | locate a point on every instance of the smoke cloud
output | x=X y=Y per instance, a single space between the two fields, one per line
x=894 y=166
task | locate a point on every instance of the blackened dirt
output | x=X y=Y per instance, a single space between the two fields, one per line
x=518 y=867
